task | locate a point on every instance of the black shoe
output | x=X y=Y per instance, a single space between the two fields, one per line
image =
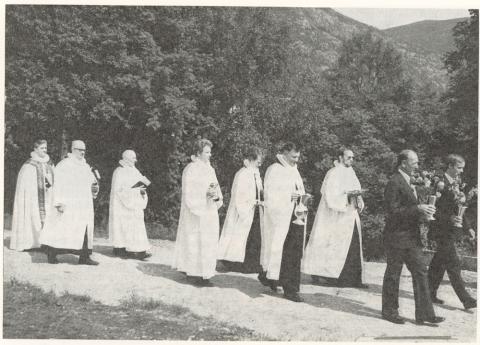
x=433 y=320
x=362 y=286
x=87 y=261
x=315 y=280
x=262 y=278
x=470 y=304
x=205 y=283
x=295 y=297
x=120 y=252
x=273 y=285
x=394 y=318
x=437 y=300
x=52 y=259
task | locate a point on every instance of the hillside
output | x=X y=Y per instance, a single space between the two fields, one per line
x=428 y=36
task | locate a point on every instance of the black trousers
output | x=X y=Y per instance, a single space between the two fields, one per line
x=84 y=253
x=289 y=278
x=251 y=263
x=351 y=274
x=446 y=259
x=413 y=258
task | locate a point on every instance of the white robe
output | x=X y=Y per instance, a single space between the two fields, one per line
x=198 y=226
x=26 y=220
x=333 y=227
x=126 y=225
x=281 y=180
x=239 y=218
x=72 y=188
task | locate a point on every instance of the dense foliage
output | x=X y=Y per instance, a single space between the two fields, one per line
x=154 y=79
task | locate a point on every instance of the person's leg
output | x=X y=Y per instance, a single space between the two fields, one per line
x=436 y=271
x=413 y=258
x=291 y=262
x=454 y=269
x=391 y=282
x=351 y=274
x=84 y=254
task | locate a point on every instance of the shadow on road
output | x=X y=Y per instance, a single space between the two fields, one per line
x=247 y=285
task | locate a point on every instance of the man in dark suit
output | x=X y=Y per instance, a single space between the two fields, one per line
x=445 y=233
x=403 y=244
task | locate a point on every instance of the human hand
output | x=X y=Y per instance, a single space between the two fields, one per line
x=472 y=234
x=456 y=220
x=427 y=210
x=295 y=196
x=60 y=208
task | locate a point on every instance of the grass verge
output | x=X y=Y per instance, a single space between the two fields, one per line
x=30 y=313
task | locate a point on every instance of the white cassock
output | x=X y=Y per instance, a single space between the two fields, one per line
x=198 y=226
x=72 y=188
x=126 y=224
x=333 y=227
x=33 y=199
x=239 y=218
x=281 y=180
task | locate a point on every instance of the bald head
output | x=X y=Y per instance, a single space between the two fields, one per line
x=78 y=149
x=129 y=157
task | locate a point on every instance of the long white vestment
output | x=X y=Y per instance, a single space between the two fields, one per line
x=27 y=219
x=333 y=227
x=72 y=188
x=198 y=226
x=126 y=224
x=239 y=218
x=281 y=180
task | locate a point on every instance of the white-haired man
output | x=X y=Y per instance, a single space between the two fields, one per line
x=128 y=199
x=69 y=228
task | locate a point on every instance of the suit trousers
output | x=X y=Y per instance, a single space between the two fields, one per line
x=413 y=258
x=446 y=259
x=291 y=259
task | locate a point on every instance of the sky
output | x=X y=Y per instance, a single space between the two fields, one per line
x=383 y=18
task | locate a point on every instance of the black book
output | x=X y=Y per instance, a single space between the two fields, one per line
x=139 y=184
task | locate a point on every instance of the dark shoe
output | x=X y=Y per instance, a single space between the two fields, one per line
x=273 y=285
x=394 y=318
x=437 y=300
x=433 y=320
x=87 y=261
x=205 y=283
x=262 y=278
x=362 y=286
x=470 y=304
x=295 y=297
x=120 y=252
x=315 y=280
x=52 y=259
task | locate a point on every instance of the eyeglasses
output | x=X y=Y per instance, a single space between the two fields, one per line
x=83 y=150
x=349 y=157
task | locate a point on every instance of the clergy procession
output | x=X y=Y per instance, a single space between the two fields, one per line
x=265 y=228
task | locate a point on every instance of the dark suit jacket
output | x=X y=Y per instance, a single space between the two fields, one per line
x=442 y=228
x=402 y=218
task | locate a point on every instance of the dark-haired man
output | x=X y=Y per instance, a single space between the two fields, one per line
x=445 y=234
x=283 y=241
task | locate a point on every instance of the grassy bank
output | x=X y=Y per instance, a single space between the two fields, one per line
x=30 y=313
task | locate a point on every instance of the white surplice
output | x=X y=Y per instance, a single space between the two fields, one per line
x=73 y=189
x=196 y=244
x=333 y=227
x=26 y=218
x=239 y=218
x=126 y=224
x=281 y=180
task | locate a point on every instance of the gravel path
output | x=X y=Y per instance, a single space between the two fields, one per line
x=328 y=313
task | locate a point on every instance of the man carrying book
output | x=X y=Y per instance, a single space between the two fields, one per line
x=128 y=199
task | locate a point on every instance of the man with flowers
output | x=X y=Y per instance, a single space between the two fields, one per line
x=444 y=230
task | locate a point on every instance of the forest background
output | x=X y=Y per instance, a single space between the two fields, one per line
x=154 y=79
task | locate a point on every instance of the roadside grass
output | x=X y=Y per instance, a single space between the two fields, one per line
x=30 y=313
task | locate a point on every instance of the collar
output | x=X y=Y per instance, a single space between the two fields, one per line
x=37 y=158
x=283 y=161
x=449 y=178
x=75 y=160
x=405 y=176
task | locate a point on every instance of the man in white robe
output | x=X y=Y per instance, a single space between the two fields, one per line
x=334 y=250
x=240 y=240
x=282 y=240
x=33 y=199
x=128 y=199
x=198 y=229
x=69 y=227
